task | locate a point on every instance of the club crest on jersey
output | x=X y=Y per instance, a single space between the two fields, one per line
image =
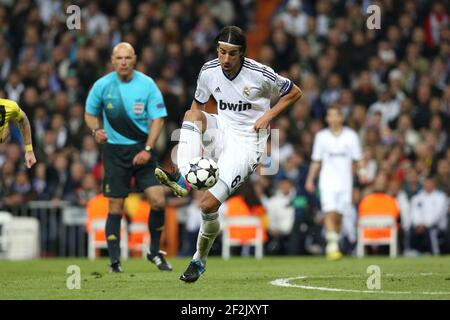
x=240 y=106
x=246 y=91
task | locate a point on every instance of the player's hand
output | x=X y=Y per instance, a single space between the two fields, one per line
x=141 y=158
x=30 y=159
x=100 y=136
x=262 y=123
x=310 y=187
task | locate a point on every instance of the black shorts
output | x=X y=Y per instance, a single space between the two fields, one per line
x=119 y=169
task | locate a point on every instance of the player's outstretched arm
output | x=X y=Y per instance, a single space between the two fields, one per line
x=25 y=130
x=285 y=101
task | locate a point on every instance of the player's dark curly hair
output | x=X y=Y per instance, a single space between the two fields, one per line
x=233 y=35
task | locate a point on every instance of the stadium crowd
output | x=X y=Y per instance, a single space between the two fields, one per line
x=392 y=84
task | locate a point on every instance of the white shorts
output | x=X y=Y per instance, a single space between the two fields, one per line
x=335 y=201
x=237 y=156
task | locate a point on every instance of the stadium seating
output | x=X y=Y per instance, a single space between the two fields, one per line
x=138 y=235
x=242 y=222
x=94 y=243
x=377 y=230
x=377 y=224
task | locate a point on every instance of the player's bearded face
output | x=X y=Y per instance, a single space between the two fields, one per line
x=230 y=57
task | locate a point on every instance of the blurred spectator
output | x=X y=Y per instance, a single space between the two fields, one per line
x=74 y=182
x=192 y=225
x=429 y=210
x=412 y=184
x=222 y=10
x=76 y=126
x=293 y=19
x=443 y=176
x=280 y=213
x=96 y=20
x=14 y=86
x=39 y=182
x=58 y=177
x=89 y=155
x=388 y=106
x=436 y=20
x=404 y=204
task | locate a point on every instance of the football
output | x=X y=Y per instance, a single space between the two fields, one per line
x=203 y=173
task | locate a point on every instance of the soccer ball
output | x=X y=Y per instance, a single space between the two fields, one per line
x=203 y=173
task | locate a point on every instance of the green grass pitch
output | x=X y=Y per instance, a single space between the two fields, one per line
x=235 y=279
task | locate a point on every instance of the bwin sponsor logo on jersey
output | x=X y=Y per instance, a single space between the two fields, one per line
x=234 y=106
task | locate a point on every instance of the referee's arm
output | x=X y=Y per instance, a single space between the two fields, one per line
x=94 y=125
x=155 y=129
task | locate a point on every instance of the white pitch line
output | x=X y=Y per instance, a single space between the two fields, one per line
x=285 y=283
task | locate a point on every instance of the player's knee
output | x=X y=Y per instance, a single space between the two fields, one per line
x=208 y=206
x=115 y=206
x=158 y=204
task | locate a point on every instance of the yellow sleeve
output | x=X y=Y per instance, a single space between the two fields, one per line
x=17 y=113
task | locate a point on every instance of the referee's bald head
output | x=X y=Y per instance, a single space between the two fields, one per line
x=123 y=46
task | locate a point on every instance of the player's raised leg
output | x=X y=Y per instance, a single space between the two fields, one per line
x=209 y=230
x=189 y=147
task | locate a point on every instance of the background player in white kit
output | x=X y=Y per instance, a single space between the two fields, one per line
x=334 y=150
x=242 y=88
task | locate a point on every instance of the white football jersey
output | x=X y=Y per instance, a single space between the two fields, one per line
x=336 y=154
x=243 y=99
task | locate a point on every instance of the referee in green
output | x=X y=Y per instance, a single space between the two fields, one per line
x=125 y=111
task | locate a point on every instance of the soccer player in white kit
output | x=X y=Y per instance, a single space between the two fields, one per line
x=334 y=151
x=242 y=89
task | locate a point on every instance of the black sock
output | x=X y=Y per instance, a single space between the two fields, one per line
x=112 y=231
x=155 y=226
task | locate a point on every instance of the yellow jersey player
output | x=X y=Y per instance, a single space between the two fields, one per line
x=11 y=112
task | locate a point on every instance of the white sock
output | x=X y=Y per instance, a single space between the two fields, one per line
x=332 y=242
x=208 y=231
x=189 y=146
